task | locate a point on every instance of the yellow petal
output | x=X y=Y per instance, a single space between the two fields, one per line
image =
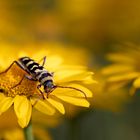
x=124 y=77
x=132 y=91
x=67 y=72
x=117 y=68
x=82 y=77
x=136 y=83
x=2 y=96
x=59 y=106
x=23 y=110
x=74 y=75
x=53 y=62
x=5 y=104
x=71 y=68
x=44 y=107
x=75 y=101
x=73 y=92
x=89 y=80
x=119 y=57
x=112 y=86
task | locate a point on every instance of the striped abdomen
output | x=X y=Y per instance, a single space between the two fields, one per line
x=35 y=70
x=30 y=65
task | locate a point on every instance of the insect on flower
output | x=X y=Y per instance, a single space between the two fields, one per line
x=37 y=72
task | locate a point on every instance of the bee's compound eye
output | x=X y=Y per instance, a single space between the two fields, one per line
x=49 y=84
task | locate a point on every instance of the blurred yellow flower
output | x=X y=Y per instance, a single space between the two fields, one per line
x=125 y=67
x=106 y=98
x=26 y=96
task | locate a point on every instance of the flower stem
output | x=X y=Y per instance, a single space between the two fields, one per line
x=28 y=132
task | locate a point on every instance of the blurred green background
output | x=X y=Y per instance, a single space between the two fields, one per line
x=94 y=25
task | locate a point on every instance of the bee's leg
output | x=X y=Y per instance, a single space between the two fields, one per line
x=44 y=60
x=50 y=92
x=38 y=87
x=29 y=77
x=9 y=67
x=39 y=98
x=24 y=76
x=35 y=102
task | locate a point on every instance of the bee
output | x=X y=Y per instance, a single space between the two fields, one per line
x=37 y=72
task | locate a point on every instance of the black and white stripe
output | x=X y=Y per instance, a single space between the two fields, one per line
x=35 y=70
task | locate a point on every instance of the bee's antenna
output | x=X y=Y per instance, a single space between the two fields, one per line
x=57 y=86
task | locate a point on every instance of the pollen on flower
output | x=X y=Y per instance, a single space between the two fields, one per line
x=10 y=79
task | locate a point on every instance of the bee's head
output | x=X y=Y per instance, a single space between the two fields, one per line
x=49 y=86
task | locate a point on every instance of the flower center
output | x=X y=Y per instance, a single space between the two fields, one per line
x=10 y=83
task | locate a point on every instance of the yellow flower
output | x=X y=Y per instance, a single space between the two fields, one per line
x=26 y=96
x=125 y=67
